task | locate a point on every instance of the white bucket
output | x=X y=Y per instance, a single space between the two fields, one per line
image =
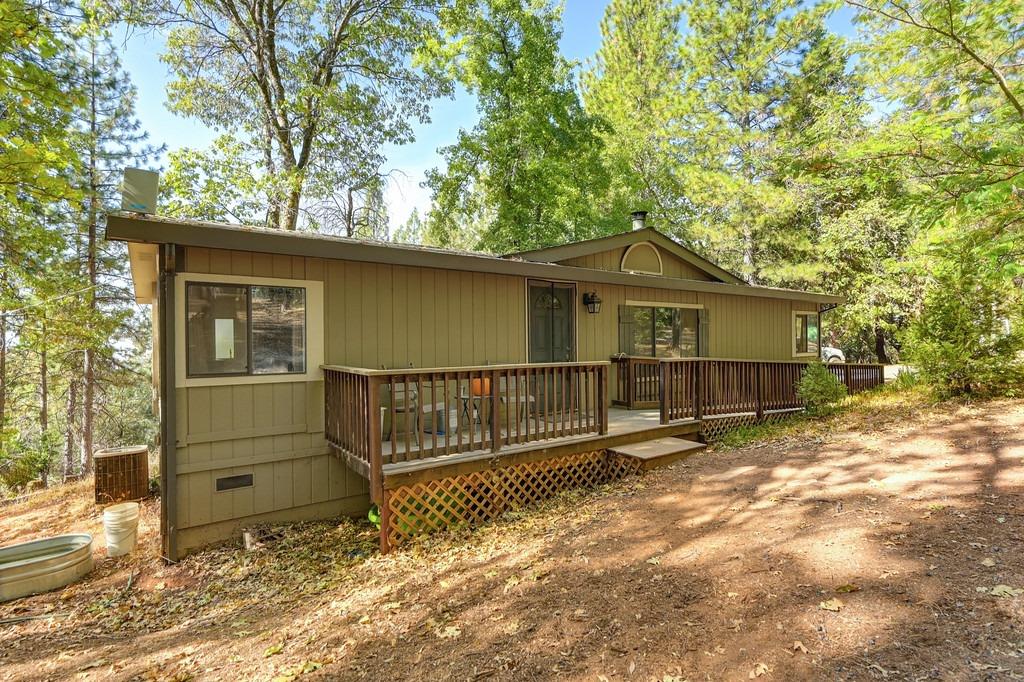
x=121 y=525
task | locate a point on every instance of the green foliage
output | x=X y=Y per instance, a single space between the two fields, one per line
x=526 y=174
x=312 y=89
x=753 y=77
x=216 y=184
x=634 y=84
x=949 y=74
x=819 y=389
x=37 y=92
x=968 y=338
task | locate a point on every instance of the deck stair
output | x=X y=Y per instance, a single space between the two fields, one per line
x=660 y=452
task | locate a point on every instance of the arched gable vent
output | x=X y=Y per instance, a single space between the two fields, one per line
x=642 y=258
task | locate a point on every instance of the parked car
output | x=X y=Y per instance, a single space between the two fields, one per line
x=830 y=354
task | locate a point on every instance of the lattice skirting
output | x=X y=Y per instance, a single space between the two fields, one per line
x=714 y=427
x=484 y=495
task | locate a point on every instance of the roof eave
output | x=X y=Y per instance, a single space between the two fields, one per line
x=143 y=229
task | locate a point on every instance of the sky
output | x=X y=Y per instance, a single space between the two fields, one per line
x=581 y=38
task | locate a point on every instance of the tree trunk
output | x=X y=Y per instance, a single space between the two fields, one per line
x=290 y=215
x=3 y=367
x=880 y=346
x=350 y=226
x=44 y=401
x=69 y=435
x=89 y=393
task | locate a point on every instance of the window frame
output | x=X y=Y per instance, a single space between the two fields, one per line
x=653 y=306
x=314 y=326
x=797 y=314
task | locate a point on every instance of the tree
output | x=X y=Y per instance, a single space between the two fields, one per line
x=633 y=84
x=744 y=62
x=950 y=75
x=36 y=94
x=108 y=138
x=216 y=184
x=316 y=87
x=526 y=174
x=969 y=334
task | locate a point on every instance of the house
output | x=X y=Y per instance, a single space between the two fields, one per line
x=304 y=376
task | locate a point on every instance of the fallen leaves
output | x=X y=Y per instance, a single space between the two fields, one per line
x=848 y=588
x=1005 y=591
x=448 y=632
x=834 y=604
x=759 y=670
x=273 y=650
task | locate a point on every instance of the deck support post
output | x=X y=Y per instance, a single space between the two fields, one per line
x=663 y=379
x=385 y=522
x=698 y=390
x=759 y=390
x=495 y=412
x=602 y=397
x=374 y=446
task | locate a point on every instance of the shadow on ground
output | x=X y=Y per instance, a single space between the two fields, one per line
x=868 y=554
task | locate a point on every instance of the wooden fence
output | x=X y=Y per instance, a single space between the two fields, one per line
x=699 y=388
x=380 y=417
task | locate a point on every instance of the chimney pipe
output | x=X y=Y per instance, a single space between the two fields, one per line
x=639 y=219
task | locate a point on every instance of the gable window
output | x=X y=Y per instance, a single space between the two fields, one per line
x=806 y=333
x=660 y=332
x=240 y=329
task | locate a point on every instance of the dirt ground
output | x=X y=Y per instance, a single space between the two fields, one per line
x=882 y=545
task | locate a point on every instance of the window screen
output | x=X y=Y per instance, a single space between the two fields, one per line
x=235 y=329
x=278 y=330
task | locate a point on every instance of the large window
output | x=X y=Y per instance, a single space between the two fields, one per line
x=237 y=329
x=659 y=332
x=806 y=333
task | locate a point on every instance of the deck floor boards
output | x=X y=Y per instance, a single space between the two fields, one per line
x=627 y=426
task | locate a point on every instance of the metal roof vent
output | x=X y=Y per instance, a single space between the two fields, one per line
x=138 y=190
x=639 y=219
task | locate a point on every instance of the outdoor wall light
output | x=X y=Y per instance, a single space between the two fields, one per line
x=593 y=302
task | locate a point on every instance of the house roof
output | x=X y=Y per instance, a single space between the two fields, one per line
x=147 y=229
x=554 y=254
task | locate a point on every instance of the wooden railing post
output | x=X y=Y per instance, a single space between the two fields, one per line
x=759 y=390
x=631 y=383
x=663 y=379
x=374 y=436
x=602 y=397
x=698 y=389
x=495 y=412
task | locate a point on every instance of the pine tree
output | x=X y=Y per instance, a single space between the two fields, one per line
x=742 y=64
x=108 y=138
x=634 y=83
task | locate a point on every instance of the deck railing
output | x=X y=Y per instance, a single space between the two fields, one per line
x=380 y=417
x=696 y=388
x=636 y=382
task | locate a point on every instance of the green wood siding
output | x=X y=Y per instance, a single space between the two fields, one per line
x=612 y=260
x=393 y=316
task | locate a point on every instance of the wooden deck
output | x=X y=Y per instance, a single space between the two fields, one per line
x=624 y=427
x=447 y=445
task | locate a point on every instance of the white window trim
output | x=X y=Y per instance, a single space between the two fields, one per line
x=792 y=331
x=314 y=330
x=625 y=257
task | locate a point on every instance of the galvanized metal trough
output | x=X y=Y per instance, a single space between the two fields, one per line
x=43 y=565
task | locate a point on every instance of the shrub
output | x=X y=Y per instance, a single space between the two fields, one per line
x=967 y=339
x=819 y=389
